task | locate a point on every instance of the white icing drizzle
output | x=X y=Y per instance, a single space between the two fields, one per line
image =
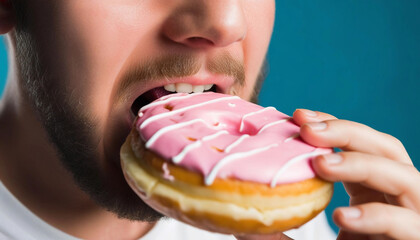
x=178 y=158
x=213 y=173
x=273 y=123
x=292 y=161
x=140 y=114
x=168 y=128
x=241 y=126
x=236 y=143
x=166 y=114
x=296 y=135
x=166 y=173
x=231 y=104
x=215 y=135
x=172 y=95
x=164 y=100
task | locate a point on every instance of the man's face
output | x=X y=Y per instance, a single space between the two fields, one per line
x=84 y=63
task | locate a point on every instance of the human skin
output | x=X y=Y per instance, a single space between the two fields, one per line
x=89 y=46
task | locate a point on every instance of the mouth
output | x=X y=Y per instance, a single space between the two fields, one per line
x=172 y=88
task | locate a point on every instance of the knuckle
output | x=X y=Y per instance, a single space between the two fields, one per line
x=356 y=163
x=386 y=218
x=395 y=149
x=395 y=142
x=414 y=172
x=357 y=168
x=346 y=130
x=411 y=176
x=380 y=210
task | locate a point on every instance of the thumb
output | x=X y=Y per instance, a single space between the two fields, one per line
x=276 y=236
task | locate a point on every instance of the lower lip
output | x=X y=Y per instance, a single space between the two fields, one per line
x=148 y=97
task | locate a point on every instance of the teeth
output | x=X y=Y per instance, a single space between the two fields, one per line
x=187 y=88
x=183 y=87
x=170 y=87
x=198 y=88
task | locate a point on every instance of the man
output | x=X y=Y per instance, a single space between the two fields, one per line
x=77 y=68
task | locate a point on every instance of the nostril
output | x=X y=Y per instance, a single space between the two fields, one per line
x=199 y=41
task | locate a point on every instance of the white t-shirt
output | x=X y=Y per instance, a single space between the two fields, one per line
x=18 y=222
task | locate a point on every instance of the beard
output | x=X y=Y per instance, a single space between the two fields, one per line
x=73 y=133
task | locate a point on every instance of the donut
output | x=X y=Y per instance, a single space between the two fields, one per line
x=223 y=164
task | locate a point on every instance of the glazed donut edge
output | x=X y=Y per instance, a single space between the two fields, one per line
x=227 y=206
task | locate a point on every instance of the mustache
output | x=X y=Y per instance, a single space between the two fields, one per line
x=176 y=66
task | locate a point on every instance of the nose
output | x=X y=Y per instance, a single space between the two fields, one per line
x=206 y=23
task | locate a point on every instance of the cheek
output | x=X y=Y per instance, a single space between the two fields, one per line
x=104 y=38
x=85 y=44
x=260 y=16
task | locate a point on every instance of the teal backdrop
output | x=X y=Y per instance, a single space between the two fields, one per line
x=358 y=60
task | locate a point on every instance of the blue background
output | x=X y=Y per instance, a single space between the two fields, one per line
x=358 y=60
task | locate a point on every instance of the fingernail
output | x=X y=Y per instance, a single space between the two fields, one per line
x=333 y=158
x=309 y=113
x=317 y=126
x=351 y=212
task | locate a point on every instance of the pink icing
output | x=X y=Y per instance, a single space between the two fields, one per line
x=204 y=132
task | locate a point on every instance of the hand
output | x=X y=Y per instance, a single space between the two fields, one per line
x=377 y=173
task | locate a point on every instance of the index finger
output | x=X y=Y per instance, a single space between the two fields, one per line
x=352 y=136
x=302 y=116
